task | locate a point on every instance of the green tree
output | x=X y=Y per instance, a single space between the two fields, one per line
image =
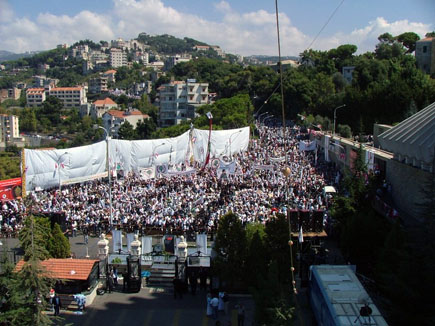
x=277 y=237
x=126 y=131
x=145 y=128
x=408 y=40
x=28 y=121
x=230 y=248
x=33 y=281
x=58 y=245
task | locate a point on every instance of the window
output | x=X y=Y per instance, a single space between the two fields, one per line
x=424 y=49
x=191 y=97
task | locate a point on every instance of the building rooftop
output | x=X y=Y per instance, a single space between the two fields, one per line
x=413 y=137
x=69 y=269
x=426 y=39
x=346 y=294
x=35 y=90
x=66 y=89
x=106 y=101
x=123 y=114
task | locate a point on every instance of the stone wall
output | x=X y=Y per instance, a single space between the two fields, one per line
x=407 y=183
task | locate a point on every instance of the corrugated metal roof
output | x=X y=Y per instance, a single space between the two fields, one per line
x=413 y=137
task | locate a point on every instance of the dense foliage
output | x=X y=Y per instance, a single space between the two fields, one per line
x=387 y=252
x=256 y=257
x=24 y=301
x=169 y=44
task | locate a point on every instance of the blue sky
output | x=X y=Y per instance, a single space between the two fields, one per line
x=240 y=27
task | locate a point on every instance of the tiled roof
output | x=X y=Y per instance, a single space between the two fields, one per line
x=426 y=39
x=112 y=71
x=106 y=101
x=123 y=114
x=65 y=89
x=68 y=269
x=35 y=90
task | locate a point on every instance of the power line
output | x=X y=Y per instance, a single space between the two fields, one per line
x=323 y=27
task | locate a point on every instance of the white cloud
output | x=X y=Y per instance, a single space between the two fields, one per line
x=222 y=6
x=6 y=12
x=366 y=38
x=246 y=33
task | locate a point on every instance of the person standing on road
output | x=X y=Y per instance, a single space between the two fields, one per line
x=209 y=307
x=57 y=305
x=214 y=305
x=240 y=315
x=221 y=301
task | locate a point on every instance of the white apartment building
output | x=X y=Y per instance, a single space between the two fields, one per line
x=118 y=58
x=179 y=99
x=9 y=127
x=70 y=96
x=35 y=96
x=113 y=119
x=176 y=59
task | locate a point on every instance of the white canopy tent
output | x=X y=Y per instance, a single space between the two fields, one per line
x=43 y=169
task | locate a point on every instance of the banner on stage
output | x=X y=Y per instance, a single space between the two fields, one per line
x=148 y=173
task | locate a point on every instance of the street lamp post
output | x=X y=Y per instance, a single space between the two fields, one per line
x=268 y=117
x=335 y=116
x=259 y=117
x=108 y=171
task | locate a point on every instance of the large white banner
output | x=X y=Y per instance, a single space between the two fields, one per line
x=46 y=169
x=147 y=245
x=370 y=159
x=116 y=240
x=201 y=243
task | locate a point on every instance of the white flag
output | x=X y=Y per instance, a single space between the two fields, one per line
x=301 y=235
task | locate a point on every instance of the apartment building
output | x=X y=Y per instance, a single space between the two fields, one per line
x=98 y=85
x=110 y=74
x=425 y=55
x=35 y=96
x=176 y=59
x=70 y=96
x=99 y=107
x=118 y=58
x=113 y=119
x=179 y=99
x=13 y=93
x=9 y=127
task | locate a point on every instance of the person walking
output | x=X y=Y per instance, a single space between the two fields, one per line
x=240 y=315
x=221 y=301
x=209 y=307
x=57 y=305
x=109 y=284
x=226 y=301
x=178 y=291
x=214 y=305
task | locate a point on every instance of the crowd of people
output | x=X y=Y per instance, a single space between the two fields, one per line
x=257 y=190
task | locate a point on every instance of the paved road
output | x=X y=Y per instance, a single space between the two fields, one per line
x=156 y=306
